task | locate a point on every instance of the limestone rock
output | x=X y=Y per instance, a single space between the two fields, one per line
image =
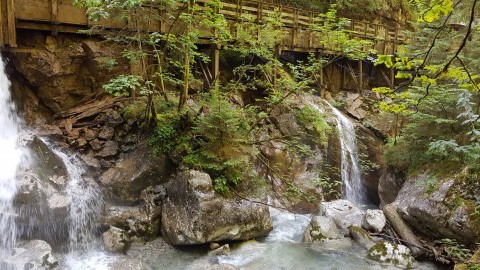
x=222 y=250
x=116 y=240
x=374 y=220
x=34 y=254
x=361 y=237
x=106 y=133
x=343 y=213
x=41 y=203
x=134 y=222
x=389 y=185
x=138 y=170
x=193 y=214
x=434 y=212
x=110 y=148
x=320 y=229
x=390 y=253
x=151 y=201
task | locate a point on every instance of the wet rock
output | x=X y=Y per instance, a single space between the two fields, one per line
x=430 y=209
x=321 y=229
x=389 y=185
x=151 y=201
x=374 y=220
x=91 y=161
x=41 y=204
x=110 y=148
x=222 y=250
x=35 y=255
x=128 y=264
x=193 y=214
x=138 y=170
x=116 y=240
x=361 y=237
x=343 y=213
x=390 y=253
x=134 y=222
x=106 y=133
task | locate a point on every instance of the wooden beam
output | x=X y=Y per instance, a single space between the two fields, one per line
x=54 y=15
x=2 y=41
x=11 y=30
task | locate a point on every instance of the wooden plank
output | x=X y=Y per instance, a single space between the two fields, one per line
x=12 y=31
x=2 y=41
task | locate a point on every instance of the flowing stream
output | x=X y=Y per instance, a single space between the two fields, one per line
x=351 y=172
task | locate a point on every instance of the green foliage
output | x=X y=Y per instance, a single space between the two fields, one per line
x=456 y=251
x=430 y=184
x=311 y=119
x=123 y=85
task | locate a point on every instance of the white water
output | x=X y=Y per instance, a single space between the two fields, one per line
x=351 y=172
x=86 y=203
x=10 y=159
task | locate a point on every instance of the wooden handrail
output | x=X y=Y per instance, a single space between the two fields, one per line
x=61 y=16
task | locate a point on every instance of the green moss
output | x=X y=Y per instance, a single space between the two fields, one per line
x=361 y=231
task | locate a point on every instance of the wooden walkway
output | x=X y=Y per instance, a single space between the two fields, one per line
x=60 y=16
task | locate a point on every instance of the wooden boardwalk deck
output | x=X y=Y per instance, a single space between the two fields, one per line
x=60 y=16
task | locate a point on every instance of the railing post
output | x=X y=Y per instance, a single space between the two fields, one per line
x=2 y=41
x=54 y=13
x=12 y=34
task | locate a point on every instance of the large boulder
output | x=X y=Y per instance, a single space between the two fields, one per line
x=361 y=236
x=116 y=240
x=321 y=229
x=138 y=170
x=41 y=203
x=193 y=214
x=34 y=255
x=136 y=223
x=389 y=253
x=343 y=213
x=437 y=208
x=374 y=220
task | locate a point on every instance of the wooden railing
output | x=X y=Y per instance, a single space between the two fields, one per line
x=61 y=16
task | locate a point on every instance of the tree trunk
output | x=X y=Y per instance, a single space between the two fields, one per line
x=403 y=230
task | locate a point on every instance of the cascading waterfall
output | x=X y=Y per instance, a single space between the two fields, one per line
x=10 y=159
x=351 y=172
x=86 y=203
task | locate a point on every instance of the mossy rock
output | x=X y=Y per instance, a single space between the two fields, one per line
x=386 y=252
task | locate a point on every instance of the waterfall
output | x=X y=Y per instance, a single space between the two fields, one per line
x=86 y=203
x=351 y=172
x=10 y=159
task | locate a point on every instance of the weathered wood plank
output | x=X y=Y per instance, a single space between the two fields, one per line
x=2 y=21
x=11 y=30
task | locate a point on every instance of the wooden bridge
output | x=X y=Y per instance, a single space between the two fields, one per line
x=60 y=16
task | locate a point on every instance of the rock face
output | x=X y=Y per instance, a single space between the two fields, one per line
x=41 y=203
x=321 y=229
x=116 y=240
x=125 y=181
x=193 y=214
x=343 y=213
x=435 y=208
x=66 y=72
x=386 y=252
x=35 y=255
x=374 y=220
x=389 y=185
